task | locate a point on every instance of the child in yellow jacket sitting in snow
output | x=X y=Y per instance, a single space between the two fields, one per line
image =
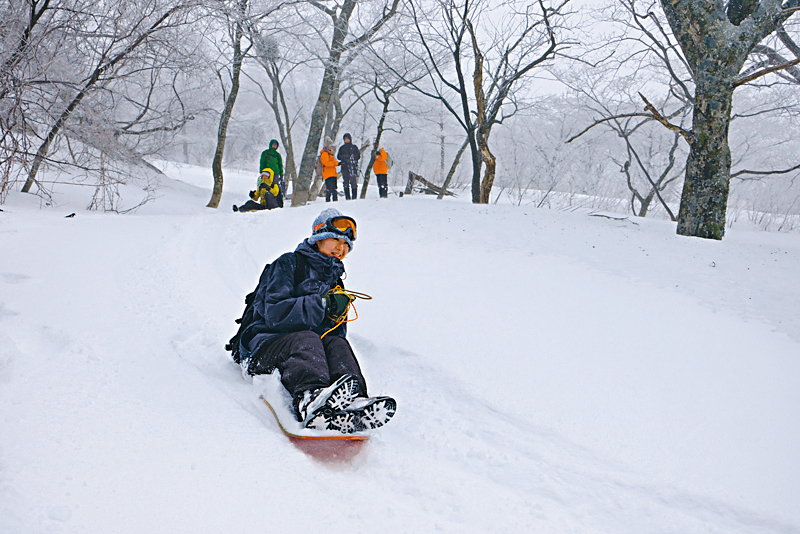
x=266 y=188
x=265 y=197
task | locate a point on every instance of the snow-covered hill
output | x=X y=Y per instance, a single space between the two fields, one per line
x=555 y=372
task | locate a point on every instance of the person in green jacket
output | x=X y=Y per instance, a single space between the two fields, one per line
x=271 y=159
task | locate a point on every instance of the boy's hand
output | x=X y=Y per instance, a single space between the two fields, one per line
x=337 y=304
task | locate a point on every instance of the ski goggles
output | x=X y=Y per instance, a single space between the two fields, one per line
x=344 y=226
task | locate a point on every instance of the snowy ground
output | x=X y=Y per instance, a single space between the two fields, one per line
x=555 y=372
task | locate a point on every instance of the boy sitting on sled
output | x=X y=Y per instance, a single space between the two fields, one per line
x=300 y=328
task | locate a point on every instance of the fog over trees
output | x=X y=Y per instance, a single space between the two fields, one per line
x=681 y=109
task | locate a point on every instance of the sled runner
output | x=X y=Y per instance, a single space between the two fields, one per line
x=307 y=434
x=325 y=446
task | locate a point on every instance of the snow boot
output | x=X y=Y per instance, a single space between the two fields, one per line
x=365 y=413
x=318 y=409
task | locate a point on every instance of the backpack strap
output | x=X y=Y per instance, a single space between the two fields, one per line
x=300 y=269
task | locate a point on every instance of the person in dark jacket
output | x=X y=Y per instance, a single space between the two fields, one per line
x=272 y=160
x=300 y=330
x=349 y=155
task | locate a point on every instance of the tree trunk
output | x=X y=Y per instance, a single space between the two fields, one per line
x=716 y=42
x=644 y=203
x=329 y=77
x=483 y=126
x=333 y=121
x=432 y=188
x=101 y=69
x=335 y=113
x=477 y=165
x=41 y=154
x=222 y=131
x=453 y=168
x=284 y=121
x=705 y=190
x=375 y=145
x=22 y=44
x=488 y=176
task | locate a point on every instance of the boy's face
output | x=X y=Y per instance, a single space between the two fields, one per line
x=333 y=247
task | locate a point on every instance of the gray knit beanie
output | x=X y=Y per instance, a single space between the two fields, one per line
x=322 y=218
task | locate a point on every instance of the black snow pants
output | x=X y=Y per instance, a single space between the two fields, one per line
x=251 y=205
x=307 y=363
x=383 y=187
x=330 y=189
x=350 y=185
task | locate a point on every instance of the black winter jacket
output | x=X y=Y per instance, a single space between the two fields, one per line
x=281 y=307
x=349 y=155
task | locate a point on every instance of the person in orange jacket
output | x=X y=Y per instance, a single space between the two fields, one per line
x=381 y=170
x=329 y=174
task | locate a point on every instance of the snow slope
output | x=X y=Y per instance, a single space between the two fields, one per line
x=555 y=372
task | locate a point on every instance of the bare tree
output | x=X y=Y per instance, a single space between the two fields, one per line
x=387 y=69
x=337 y=111
x=716 y=38
x=277 y=68
x=452 y=171
x=118 y=33
x=384 y=97
x=523 y=39
x=18 y=33
x=340 y=17
x=90 y=84
x=235 y=23
x=645 y=56
x=638 y=56
x=655 y=185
